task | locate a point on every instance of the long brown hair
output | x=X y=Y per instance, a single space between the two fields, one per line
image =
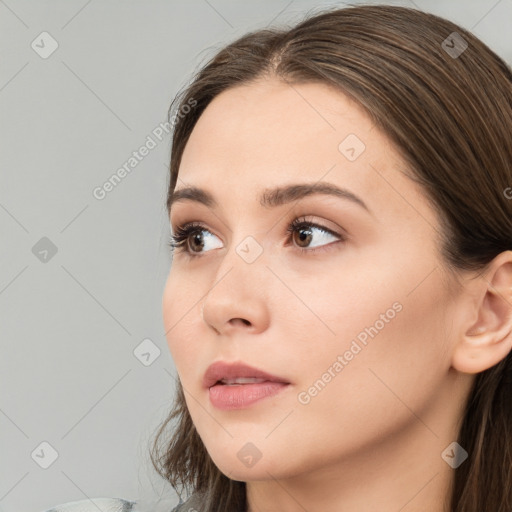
x=445 y=100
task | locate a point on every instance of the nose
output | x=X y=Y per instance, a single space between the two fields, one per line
x=237 y=301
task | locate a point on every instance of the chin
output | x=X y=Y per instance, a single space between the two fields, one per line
x=245 y=462
x=234 y=470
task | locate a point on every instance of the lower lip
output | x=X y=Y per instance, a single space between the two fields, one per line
x=238 y=396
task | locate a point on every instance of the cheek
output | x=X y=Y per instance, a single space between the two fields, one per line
x=390 y=357
x=179 y=316
x=388 y=316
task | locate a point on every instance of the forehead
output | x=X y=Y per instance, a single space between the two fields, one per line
x=272 y=121
x=271 y=133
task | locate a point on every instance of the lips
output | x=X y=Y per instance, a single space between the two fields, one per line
x=228 y=372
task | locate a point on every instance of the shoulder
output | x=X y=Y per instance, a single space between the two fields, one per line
x=105 y=505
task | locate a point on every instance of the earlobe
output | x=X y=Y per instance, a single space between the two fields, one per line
x=485 y=342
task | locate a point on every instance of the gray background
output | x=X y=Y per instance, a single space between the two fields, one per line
x=70 y=321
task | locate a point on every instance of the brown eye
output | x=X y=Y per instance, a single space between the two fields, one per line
x=190 y=239
x=303 y=232
x=304 y=236
x=196 y=240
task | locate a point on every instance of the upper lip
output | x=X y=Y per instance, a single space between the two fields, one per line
x=223 y=370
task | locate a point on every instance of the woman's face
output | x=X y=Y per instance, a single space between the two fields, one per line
x=357 y=327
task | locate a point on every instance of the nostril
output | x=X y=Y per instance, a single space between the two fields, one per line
x=243 y=320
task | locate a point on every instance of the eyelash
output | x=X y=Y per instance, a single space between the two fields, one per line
x=177 y=241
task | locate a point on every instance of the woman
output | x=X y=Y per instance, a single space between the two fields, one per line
x=339 y=306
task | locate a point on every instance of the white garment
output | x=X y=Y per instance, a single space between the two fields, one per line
x=101 y=505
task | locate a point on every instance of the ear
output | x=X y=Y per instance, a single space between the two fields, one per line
x=484 y=342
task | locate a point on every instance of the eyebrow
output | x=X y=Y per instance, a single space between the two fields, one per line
x=270 y=198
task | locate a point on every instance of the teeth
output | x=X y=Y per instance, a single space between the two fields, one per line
x=242 y=380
